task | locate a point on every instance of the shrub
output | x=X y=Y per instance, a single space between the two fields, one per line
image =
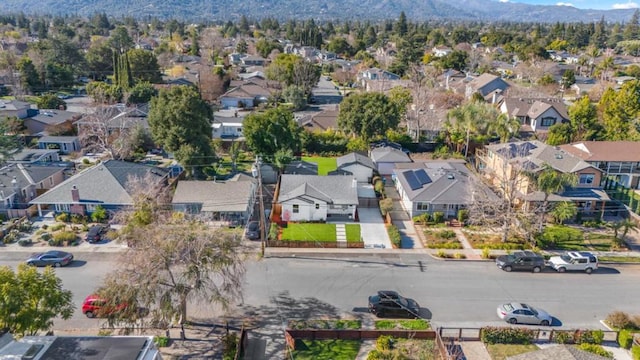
x=445 y=245
x=459 y=256
x=161 y=341
x=104 y=332
x=57 y=227
x=463 y=215
x=447 y=234
x=376 y=355
x=563 y=337
x=422 y=218
x=63 y=217
x=438 y=217
x=554 y=235
x=486 y=253
x=273 y=231
x=25 y=226
x=230 y=345
x=590 y=337
x=77 y=219
x=86 y=161
x=54 y=242
x=506 y=335
x=45 y=237
x=441 y=254
x=24 y=242
x=99 y=214
x=45 y=227
x=386 y=205
x=625 y=339
x=635 y=352
x=618 y=320
x=384 y=342
x=65 y=236
x=394 y=235
x=11 y=237
x=596 y=349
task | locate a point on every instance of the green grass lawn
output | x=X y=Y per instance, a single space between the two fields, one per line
x=325 y=324
x=572 y=239
x=502 y=351
x=325 y=164
x=326 y=349
x=353 y=232
x=416 y=324
x=309 y=232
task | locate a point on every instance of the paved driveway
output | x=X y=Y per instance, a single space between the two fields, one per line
x=372 y=228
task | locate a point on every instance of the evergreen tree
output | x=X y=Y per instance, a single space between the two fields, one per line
x=632 y=29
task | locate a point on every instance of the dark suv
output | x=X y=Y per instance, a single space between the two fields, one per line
x=95 y=233
x=387 y=302
x=521 y=260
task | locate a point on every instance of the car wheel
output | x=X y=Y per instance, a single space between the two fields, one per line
x=588 y=270
x=380 y=314
x=31 y=264
x=544 y=323
x=57 y=264
x=562 y=269
x=90 y=314
x=536 y=269
x=513 y=321
x=507 y=268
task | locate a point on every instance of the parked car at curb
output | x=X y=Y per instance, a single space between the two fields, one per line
x=53 y=258
x=253 y=230
x=574 y=261
x=95 y=233
x=95 y=306
x=521 y=260
x=390 y=303
x=519 y=313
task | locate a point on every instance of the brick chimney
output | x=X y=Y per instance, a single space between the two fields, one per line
x=75 y=194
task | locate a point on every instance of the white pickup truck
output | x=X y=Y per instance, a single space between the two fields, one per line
x=574 y=261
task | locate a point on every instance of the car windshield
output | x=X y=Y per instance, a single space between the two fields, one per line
x=508 y=307
x=566 y=258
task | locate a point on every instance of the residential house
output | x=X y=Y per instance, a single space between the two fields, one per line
x=510 y=165
x=377 y=74
x=619 y=160
x=324 y=55
x=253 y=60
x=48 y=120
x=563 y=56
x=234 y=58
x=386 y=157
x=301 y=167
x=20 y=183
x=358 y=165
x=379 y=80
x=436 y=186
x=489 y=86
x=317 y=198
x=244 y=96
x=535 y=115
x=64 y=144
x=322 y=121
x=34 y=156
x=441 y=51
x=104 y=184
x=227 y=124
x=231 y=202
x=15 y=108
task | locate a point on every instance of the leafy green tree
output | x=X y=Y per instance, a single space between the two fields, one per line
x=273 y=130
x=564 y=211
x=402 y=98
x=456 y=60
x=50 y=101
x=583 y=117
x=549 y=181
x=401 y=27
x=281 y=69
x=10 y=140
x=99 y=58
x=295 y=95
x=30 y=300
x=560 y=134
x=504 y=126
x=340 y=46
x=368 y=115
x=632 y=28
x=144 y=66
x=180 y=121
x=120 y=40
x=264 y=47
x=141 y=93
x=242 y=46
x=29 y=78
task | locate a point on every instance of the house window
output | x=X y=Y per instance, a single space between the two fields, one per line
x=317 y=206
x=423 y=206
x=62 y=208
x=548 y=121
x=586 y=179
x=50 y=181
x=296 y=208
x=239 y=130
x=91 y=207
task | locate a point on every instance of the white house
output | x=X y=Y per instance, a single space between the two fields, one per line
x=227 y=124
x=358 y=165
x=317 y=198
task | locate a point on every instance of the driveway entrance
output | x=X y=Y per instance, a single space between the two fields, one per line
x=372 y=229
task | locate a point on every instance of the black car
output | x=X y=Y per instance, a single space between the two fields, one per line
x=253 y=231
x=521 y=260
x=95 y=233
x=390 y=303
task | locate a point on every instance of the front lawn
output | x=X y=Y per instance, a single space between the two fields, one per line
x=325 y=164
x=481 y=240
x=572 y=239
x=441 y=239
x=416 y=324
x=318 y=232
x=503 y=351
x=326 y=349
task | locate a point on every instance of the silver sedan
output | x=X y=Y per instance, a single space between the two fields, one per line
x=518 y=313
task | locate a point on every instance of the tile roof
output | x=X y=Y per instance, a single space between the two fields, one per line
x=355 y=158
x=104 y=183
x=535 y=154
x=605 y=150
x=231 y=196
x=338 y=189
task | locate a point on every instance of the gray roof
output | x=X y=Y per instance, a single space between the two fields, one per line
x=558 y=352
x=57 y=139
x=54 y=117
x=104 y=183
x=355 y=158
x=26 y=155
x=301 y=167
x=339 y=190
x=446 y=182
x=389 y=155
x=232 y=196
x=521 y=106
x=534 y=154
x=39 y=173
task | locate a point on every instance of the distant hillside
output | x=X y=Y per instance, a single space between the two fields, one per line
x=198 y=10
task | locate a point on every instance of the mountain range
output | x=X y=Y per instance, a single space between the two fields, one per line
x=223 y=10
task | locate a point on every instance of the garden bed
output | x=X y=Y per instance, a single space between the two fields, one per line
x=479 y=240
x=441 y=239
x=415 y=324
x=503 y=351
x=325 y=324
x=325 y=349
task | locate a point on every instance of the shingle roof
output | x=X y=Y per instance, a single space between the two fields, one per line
x=104 y=183
x=605 y=150
x=232 y=196
x=522 y=106
x=388 y=154
x=54 y=117
x=339 y=190
x=485 y=79
x=57 y=138
x=355 y=158
x=447 y=182
x=535 y=153
x=558 y=352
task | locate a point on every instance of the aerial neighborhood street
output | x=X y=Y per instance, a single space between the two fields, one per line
x=264 y=187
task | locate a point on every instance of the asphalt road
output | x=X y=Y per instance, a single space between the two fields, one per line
x=450 y=293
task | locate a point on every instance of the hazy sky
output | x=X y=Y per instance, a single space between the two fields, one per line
x=586 y=4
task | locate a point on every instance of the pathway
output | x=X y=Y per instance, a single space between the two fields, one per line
x=470 y=252
x=341 y=235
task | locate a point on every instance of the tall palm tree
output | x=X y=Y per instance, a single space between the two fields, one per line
x=550 y=181
x=504 y=126
x=627 y=224
x=564 y=211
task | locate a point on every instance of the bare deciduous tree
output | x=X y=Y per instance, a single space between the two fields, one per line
x=108 y=131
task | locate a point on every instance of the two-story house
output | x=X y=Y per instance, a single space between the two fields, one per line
x=514 y=166
x=535 y=115
x=489 y=86
x=619 y=160
x=20 y=183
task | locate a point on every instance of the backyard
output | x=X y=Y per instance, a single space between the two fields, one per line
x=325 y=164
x=318 y=232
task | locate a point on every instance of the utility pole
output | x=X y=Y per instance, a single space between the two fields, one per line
x=261 y=200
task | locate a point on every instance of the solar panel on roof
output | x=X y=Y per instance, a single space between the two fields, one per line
x=412 y=180
x=422 y=176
